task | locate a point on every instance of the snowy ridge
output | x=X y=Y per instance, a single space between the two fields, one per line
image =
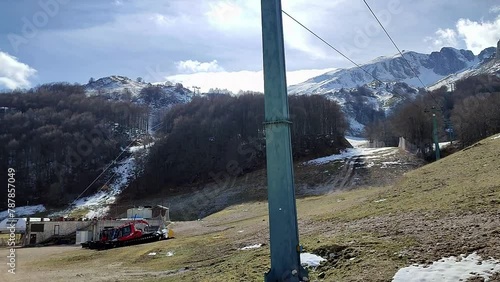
x=396 y=81
x=122 y=88
x=373 y=96
x=114 y=83
x=487 y=66
x=430 y=68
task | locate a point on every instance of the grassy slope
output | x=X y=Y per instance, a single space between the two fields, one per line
x=468 y=181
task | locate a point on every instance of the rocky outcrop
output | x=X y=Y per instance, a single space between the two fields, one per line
x=449 y=60
x=498 y=51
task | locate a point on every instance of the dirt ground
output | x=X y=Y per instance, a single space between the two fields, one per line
x=24 y=259
x=400 y=239
x=366 y=234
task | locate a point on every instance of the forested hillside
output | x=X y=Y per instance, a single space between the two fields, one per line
x=58 y=140
x=217 y=136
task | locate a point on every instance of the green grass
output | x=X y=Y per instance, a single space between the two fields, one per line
x=463 y=182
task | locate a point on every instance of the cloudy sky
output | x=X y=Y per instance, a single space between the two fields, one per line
x=217 y=43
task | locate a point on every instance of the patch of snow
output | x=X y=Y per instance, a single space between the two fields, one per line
x=428 y=76
x=444 y=144
x=381 y=200
x=251 y=247
x=441 y=145
x=23 y=211
x=169 y=254
x=449 y=269
x=97 y=204
x=496 y=137
x=152 y=254
x=367 y=153
x=311 y=260
x=355 y=125
x=357 y=142
x=387 y=164
x=134 y=149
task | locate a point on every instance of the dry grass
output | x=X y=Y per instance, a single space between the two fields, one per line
x=467 y=181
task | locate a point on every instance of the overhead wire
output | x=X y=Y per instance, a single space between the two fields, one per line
x=106 y=169
x=330 y=45
x=342 y=54
x=401 y=53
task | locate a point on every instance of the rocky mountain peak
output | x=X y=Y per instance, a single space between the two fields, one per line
x=498 y=51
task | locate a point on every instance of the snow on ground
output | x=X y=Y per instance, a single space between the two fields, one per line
x=357 y=142
x=449 y=269
x=496 y=137
x=371 y=164
x=250 y=247
x=387 y=164
x=311 y=260
x=23 y=211
x=97 y=204
x=442 y=145
x=366 y=153
x=134 y=149
x=355 y=125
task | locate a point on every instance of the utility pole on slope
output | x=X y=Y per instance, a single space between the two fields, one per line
x=284 y=235
x=435 y=133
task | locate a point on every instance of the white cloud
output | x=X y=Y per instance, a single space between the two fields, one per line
x=239 y=80
x=476 y=36
x=190 y=66
x=479 y=35
x=14 y=74
x=495 y=9
x=243 y=18
x=238 y=17
x=227 y=15
x=161 y=20
x=444 y=38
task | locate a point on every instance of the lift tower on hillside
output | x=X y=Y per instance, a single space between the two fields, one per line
x=284 y=235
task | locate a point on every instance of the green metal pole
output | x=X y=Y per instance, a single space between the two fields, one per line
x=435 y=133
x=284 y=235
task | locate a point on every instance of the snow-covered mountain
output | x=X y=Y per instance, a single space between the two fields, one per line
x=369 y=102
x=430 y=68
x=361 y=96
x=490 y=64
x=123 y=88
